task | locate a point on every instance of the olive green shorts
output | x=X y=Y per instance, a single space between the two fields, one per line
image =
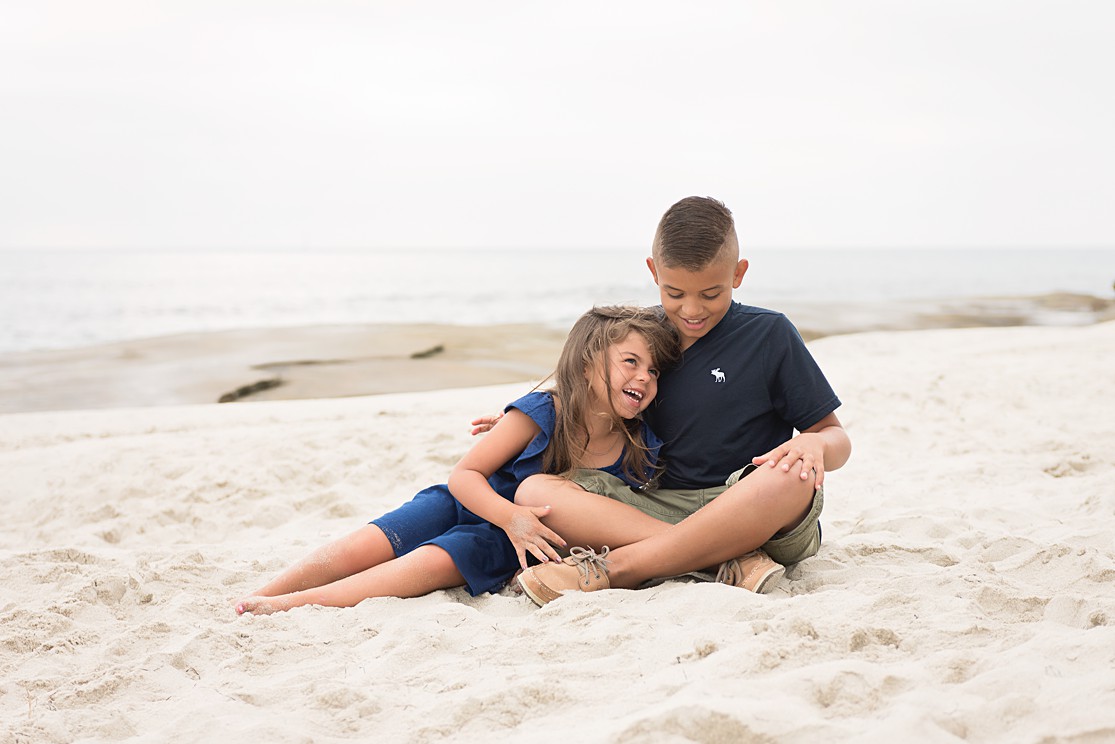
x=670 y=505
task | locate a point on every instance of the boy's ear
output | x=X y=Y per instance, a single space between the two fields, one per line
x=741 y=269
x=654 y=271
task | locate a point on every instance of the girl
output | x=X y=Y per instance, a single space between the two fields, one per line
x=470 y=532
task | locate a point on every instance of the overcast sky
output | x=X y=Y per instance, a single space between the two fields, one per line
x=192 y=123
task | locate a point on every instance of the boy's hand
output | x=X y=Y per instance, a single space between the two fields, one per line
x=528 y=534
x=809 y=448
x=484 y=424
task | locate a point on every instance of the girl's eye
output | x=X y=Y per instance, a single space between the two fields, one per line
x=673 y=296
x=630 y=361
x=654 y=373
x=711 y=297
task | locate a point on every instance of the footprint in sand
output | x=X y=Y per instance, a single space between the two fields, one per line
x=1076 y=466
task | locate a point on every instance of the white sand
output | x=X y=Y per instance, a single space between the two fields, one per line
x=966 y=588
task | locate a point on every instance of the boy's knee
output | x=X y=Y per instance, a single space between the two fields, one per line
x=778 y=486
x=534 y=491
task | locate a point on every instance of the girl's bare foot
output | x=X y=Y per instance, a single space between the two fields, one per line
x=258 y=606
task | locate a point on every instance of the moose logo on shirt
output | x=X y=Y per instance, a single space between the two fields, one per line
x=717 y=374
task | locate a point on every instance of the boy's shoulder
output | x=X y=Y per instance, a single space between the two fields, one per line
x=751 y=318
x=741 y=309
x=746 y=328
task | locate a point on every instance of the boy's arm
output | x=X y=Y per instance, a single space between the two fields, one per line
x=484 y=424
x=469 y=485
x=823 y=446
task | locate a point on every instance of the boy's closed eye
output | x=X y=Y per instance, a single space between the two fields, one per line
x=680 y=295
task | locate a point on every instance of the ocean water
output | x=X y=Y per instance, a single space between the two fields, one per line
x=52 y=299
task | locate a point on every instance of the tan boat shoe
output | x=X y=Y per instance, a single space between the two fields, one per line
x=754 y=571
x=583 y=570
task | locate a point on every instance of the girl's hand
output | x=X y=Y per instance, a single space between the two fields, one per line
x=484 y=424
x=809 y=449
x=529 y=535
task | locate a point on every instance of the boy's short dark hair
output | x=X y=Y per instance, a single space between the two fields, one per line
x=692 y=233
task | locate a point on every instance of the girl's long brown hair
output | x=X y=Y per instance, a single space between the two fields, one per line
x=585 y=347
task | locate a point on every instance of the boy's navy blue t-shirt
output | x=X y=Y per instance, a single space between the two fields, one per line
x=738 y=392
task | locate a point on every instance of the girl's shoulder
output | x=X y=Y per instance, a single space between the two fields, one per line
x=536 y=404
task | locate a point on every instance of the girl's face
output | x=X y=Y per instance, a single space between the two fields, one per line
x=629 y=380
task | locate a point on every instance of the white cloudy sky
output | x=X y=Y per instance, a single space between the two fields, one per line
x=275 y=123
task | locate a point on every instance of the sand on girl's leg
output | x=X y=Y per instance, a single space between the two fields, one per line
x=415 y=574
x=355 y=552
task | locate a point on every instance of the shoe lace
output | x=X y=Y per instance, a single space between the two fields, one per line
x=730 y=571
x=587 y=559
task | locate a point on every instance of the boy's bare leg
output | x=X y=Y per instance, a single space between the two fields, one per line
x=586 y=519
x=348 y=555
x=423 y=570
x=741 y=519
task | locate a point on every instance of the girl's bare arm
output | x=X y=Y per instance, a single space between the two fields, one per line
x=469 y=484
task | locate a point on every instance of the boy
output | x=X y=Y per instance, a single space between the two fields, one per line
x=745 y=383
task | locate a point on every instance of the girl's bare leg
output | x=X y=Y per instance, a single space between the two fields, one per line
x=351 y=554
x=586 y=519
x=419 y=572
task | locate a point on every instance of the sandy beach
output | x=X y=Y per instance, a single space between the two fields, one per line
x=963 y=592
x=275 y=364
x=314 y=362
